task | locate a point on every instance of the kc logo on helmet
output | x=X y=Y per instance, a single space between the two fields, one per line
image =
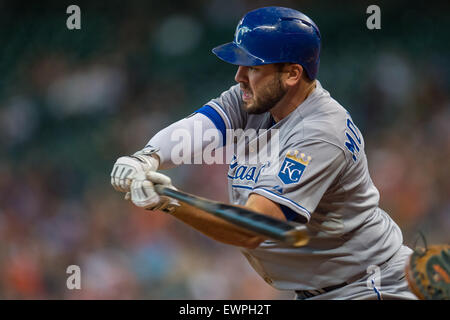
x=293 y=167
x=240 y=31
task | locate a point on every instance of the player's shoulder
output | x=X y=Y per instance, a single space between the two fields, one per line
x=323 y=118
x=232 y=95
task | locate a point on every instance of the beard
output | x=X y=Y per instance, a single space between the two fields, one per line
x=266 y=98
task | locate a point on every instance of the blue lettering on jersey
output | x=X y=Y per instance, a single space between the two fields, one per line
x=233 y=162
x=244 y=173
x=353 y=142
x=240 y=172
x=250 y=174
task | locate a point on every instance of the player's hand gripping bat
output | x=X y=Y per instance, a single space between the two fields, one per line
x=260 y=224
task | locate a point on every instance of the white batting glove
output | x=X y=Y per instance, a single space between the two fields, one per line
x=143 y=193
x=129 y=167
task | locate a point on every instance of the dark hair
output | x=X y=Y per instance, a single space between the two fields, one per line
x=280 y=66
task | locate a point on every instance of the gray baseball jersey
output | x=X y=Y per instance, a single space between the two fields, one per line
x=320 y=178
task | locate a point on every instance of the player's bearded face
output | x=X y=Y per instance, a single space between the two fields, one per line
x=262 y=97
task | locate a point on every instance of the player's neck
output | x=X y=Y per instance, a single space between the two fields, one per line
x=292 y=100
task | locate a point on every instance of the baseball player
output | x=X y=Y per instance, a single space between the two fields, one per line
x=321 y=178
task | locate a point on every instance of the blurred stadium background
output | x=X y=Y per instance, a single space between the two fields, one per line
x=71 y=102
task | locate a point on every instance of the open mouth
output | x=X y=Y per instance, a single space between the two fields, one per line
x=246 y=94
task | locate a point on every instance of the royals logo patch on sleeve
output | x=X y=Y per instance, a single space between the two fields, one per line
x=293 y=166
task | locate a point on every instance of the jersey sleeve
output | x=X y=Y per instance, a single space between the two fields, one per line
x=301 y=177
x=226 y=111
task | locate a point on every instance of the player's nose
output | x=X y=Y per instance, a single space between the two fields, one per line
x=241 y=74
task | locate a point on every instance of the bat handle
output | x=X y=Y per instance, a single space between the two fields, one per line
x=160 y=189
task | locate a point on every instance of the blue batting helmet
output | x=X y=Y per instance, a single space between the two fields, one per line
x=273 y=35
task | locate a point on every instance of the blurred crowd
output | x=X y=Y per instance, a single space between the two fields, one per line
x=71 y=102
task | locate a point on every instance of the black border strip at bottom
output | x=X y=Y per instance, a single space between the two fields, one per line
x=213 y=309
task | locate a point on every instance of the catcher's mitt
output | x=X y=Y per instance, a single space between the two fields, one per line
x=428 y=272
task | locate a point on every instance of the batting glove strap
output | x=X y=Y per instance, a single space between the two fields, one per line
x=148 y=162
x=167 y=205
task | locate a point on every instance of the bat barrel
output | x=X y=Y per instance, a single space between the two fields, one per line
x=260 y=224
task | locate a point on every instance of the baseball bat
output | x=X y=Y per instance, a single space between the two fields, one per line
x=260 y=224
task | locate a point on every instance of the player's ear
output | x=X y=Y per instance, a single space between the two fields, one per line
x=294 y=74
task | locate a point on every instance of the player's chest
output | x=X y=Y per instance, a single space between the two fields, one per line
x=245 y=173
x=242 y=178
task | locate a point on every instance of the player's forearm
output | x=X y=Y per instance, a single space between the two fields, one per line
x=182 y=141
x=215 y=227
